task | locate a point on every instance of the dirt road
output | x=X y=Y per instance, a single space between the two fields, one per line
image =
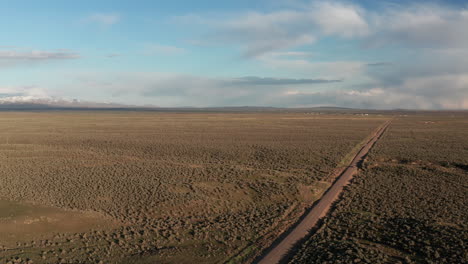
x=278 y=250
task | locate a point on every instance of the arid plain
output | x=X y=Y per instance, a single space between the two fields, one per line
x=153 y=187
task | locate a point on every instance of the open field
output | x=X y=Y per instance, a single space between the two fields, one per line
x=295 y=235
x=408 y=205
x=140 y=187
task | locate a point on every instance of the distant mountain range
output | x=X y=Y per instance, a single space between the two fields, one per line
x=51 y=103
x=27 y=102
x=45 y=105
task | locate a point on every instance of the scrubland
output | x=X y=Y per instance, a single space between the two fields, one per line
x=407 y=205
x=179 y=188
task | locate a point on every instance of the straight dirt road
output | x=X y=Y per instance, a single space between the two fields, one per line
x=279 y=250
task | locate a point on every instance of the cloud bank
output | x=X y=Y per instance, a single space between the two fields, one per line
x=17 y=57
x=37 y=55
x=427 y=65
x=430 y=71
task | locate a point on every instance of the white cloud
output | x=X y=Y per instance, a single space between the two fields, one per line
x=263 y=46
x=435 y=76
x=37 y=55
x=303 y=66
x=165 y=89
x=262 y=33
x=421 y=26
x=22 y=93
x=335 y=18
x=15 y=57
x=103 y=19
x=380 y=98
x=171 y=89
x=414 y=25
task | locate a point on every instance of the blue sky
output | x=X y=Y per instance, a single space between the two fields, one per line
x=288 y=53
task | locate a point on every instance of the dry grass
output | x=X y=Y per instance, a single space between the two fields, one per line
x=181 y=186
x=408 y=205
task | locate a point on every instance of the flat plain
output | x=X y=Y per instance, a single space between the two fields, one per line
x=407 y=205
x=149 y=187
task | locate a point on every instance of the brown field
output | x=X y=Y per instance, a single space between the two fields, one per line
x=407 y=205
x=136 y=187
x=282 y=246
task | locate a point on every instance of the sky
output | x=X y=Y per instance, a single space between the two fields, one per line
x=282 y=53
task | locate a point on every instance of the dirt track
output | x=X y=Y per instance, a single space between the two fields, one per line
x=278 y=250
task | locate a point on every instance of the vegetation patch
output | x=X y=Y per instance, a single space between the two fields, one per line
x=404 y=207
x=182 y=186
